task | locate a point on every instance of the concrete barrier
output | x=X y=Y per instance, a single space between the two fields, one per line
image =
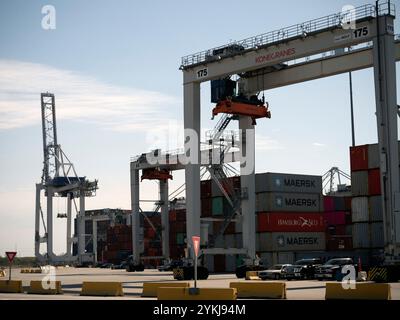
x=102 y=289
x=150 y=288
x=11 y=286
x=54 y=287
x=252 y=275
x=164 y=293
x=362 y=291
x=269 y=290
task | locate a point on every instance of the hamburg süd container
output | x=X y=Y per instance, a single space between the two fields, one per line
x=290 y=222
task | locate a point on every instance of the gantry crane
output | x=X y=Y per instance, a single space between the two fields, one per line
x=59 y=179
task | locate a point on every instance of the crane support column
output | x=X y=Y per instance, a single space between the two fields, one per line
x=69 y=222
x=164 y=218
x=81 y=226
x=37 y=221
x=135 y=216
x=50 y=194
x=247 y=179
x=191 y=100
x=95 y=240
x=386 y=113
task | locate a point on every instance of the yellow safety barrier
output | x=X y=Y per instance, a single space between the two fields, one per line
x=24 y=270
x=102 y=289
x=150 y=288
x=54 y=287
x=364 y=291
x=269 y=290
x=252 y=275
x=36 y=270
x=164 y=293
x=11 y=286
x=2 y=273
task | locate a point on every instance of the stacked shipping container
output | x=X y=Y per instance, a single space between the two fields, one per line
x=289 y=216
x=366 y=204
x=337 y=218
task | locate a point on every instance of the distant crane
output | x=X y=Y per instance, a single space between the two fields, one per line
x=59 y=179
x=328 y=179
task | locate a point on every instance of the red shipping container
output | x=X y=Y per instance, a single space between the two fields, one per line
x=347 y=203
x=359 y=158
x=335 y=218
x=206 y=207
x=329 y=204
x=290 y=222
x=172 y=216
x=339 y=243
x=219 y=263
x=205 y=188
x=336 y=230
x=230 y=229
x=374 y=182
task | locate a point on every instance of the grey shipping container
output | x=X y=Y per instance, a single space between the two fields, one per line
x=209 y=262
x=359 y=209
x=286 y=257
x=266 y=258
x=229 y=241
x=288 y=202
x=291 y=241
x=361 y=237
x=339 y=203
x=373 y=156
x=375 y=208
x=230 y=263
x=282 y=182
x=239 y=240
x=359 y=183
x=377 y=236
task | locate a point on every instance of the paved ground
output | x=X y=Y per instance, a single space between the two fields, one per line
x=72 y=279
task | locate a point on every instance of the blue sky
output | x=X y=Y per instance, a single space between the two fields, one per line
x=113 y=67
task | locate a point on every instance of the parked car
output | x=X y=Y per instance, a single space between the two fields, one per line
x=277 y=271
x=303 y=269
x=171 y=265
x=332 y=269
x=122 y=265
x=106 y=265
x=131 y=267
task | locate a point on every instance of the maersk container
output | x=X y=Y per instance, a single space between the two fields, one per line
x=373 y=156
x=282 y=182
x=377 y=235
x=359 y=209
x=291 y=241
x=376 y=208
x=288 y=202
x=359 y=183
x=361 y=235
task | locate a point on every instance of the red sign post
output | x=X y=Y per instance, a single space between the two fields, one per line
x=196 y=247
x=10 y=256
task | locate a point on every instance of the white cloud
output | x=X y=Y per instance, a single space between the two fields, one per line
x=78 y=97
x=265 y=143
x=317 y=144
